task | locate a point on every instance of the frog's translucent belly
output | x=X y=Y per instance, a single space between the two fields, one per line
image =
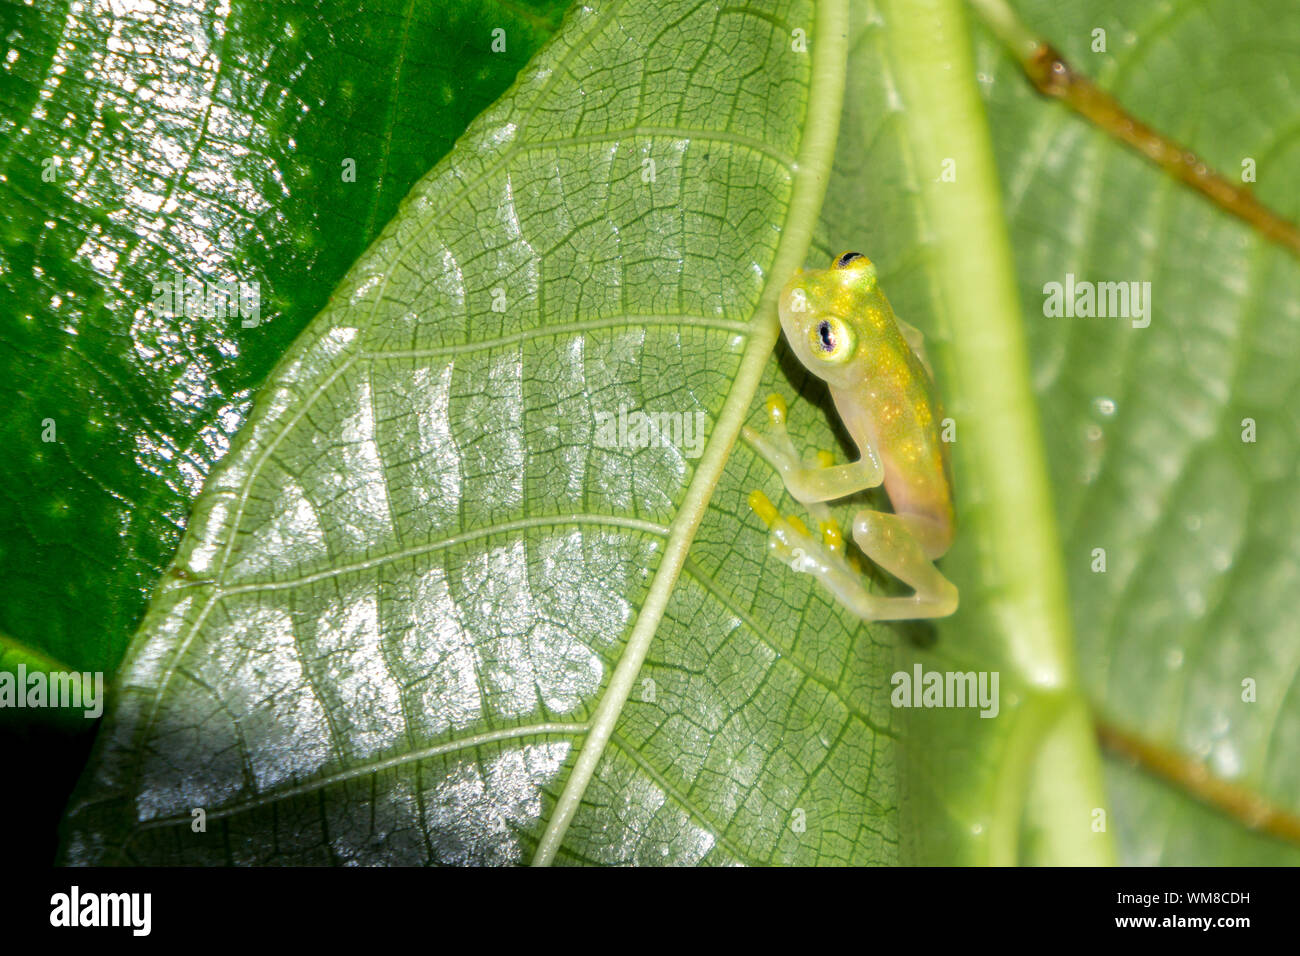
x=903 y=428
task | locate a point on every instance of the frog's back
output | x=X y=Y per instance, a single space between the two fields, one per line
x=895 y=408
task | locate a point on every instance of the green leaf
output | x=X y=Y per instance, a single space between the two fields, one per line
x=420 y=615
x=417 y=572
x=207 y=140
x=1144 y=425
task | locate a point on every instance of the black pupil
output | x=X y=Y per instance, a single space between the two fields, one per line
x=828 y=340
x=848 y=257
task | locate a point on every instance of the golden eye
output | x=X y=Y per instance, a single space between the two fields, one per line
x=855 y=268
x=831 y=340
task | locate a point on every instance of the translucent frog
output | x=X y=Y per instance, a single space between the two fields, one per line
x=842 y=328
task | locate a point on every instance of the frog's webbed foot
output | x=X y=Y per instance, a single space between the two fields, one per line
x=822 y=481
x=791 y=542
x=885 y=538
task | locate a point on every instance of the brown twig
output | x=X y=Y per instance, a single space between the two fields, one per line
x=1240 y=803
x=1053 y=76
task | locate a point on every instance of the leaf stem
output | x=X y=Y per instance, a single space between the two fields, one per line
x=1000 y=449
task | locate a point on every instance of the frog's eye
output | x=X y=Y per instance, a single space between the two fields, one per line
x=831 y=340
x=843 y=261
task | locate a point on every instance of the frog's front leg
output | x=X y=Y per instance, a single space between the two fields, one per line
x=811 y=483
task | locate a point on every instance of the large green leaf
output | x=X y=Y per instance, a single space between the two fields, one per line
x=415 y=571
x=1160 y=478
x=420 y=616
x=1144 y=425
x=141 y=140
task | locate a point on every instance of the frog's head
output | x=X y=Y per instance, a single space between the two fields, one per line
x=821 y=314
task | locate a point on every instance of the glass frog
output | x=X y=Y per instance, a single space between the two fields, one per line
x=842 y=328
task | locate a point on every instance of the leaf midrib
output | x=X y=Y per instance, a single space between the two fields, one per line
x=810 y=174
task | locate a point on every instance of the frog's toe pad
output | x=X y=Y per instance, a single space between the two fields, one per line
x=762 y=506
x=777 y=411
x=788 y=537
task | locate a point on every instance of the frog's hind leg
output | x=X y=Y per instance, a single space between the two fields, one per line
x=823 y=557
x=892 y=545
x=904 y=545
x=915 y=339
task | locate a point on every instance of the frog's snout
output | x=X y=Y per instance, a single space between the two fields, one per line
x=794 y=300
